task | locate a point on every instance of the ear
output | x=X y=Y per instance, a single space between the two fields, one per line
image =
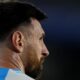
x=17 y=41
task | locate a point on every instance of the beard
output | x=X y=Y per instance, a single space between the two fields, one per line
x=35 y=72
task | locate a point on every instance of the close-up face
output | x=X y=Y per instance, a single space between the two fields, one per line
x=35 y=50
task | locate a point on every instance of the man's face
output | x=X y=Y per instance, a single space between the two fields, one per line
x=35 y=50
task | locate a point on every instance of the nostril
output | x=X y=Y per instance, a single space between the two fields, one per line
x=45 y=54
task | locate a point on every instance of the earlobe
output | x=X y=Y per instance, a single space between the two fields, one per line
x=17 y=41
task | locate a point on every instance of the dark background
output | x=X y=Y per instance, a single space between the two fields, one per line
x=62 y=38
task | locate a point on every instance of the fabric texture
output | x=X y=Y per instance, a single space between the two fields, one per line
x=13 y=74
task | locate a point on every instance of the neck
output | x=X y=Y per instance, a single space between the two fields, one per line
x=10 y=59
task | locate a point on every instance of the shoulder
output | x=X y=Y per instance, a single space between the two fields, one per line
x=3 y=73
x=10 y=74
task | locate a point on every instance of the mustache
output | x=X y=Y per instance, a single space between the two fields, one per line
x=42 y=60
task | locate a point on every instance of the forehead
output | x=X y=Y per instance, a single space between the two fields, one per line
x=37 y=26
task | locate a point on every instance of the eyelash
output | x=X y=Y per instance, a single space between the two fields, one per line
x=41 y=38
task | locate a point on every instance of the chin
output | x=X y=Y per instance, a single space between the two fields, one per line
x=36 y=72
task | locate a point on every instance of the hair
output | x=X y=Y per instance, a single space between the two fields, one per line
x=13 y=14
x=5 y=32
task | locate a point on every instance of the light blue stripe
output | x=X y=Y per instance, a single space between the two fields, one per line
x=3 y=73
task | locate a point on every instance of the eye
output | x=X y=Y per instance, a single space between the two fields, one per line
x=41 y=38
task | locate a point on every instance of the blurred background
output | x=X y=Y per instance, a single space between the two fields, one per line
x=62 y=38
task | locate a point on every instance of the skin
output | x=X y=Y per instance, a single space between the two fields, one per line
x=25 y=49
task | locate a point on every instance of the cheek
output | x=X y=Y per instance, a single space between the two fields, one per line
x=34 y=51
x=38 y=49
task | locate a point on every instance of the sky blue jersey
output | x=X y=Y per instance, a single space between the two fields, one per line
x=13 y=74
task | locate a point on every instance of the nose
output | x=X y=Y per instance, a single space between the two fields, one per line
x=45 y=51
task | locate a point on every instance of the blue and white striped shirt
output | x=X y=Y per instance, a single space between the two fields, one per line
x=13 y=74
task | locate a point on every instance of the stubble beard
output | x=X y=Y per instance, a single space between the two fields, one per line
x=36 y=72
